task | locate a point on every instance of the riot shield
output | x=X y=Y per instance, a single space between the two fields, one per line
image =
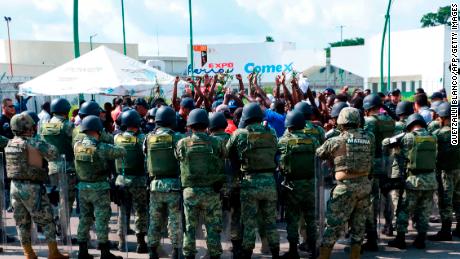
x=64 y=210
x=2 y=204
x=319 y=197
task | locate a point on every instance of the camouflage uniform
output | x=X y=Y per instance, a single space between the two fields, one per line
x=397 y=165
x=131 y=181
x=77 y=136
x=297 y=164
x=165 y=186
x=3 y=142
x=382 y=126
x=90 y=157
x=255 y=147
x=58 y=132
x=449 y=167
x=433 y=126
x=27 y=190
x=351 y=152
x=420 y=186
x=201 y=155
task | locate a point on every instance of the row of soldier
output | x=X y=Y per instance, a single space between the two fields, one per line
x=201 y=171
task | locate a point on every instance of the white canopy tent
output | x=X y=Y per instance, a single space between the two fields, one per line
x=101 y=71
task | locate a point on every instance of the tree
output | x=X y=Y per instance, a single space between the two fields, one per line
x=344 y=43
x=438 y=18
x=269 y=39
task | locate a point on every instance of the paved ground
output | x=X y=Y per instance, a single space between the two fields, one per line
x=436 y=250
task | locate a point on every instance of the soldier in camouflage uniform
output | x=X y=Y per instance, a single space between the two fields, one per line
x=382 y=126
x=90 y=163
x=201 y=160
x=448 y=167
x=310 y=128
x=24 y=162
x=419 y=149
x=86 y=109
x=351 y=153
x=165 y=188
x=58 y=132
x=131 y=180
x=255 y=146
x=335 y=111
x=297 y=165
x=434 y=124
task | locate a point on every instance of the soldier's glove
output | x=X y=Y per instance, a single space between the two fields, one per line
x=53 y=196
x=217 y=186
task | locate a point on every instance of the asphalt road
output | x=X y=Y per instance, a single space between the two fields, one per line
x=438 y=250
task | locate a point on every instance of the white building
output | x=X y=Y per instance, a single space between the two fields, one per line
x=419 y=58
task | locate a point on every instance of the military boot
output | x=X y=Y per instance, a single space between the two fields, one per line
x=141 y=245
x=53 y=252
x=175 y=253
x=399 y=241
x=325 y=252
x=355 y=252
x=444 y=234
x=292 y=253
x=105 y=252
x=153 y=252
x=29 y=252
x=236 y=247
x=419 y=241
x=275 y=251
x=371 y=243
x=83 y=251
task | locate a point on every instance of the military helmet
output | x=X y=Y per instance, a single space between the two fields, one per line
x=404 y=108
x=252 y=111
x=295 y=119
x=130 y=118
x=371 y=101
x=414 y=119
x=349 y=115
x=89 y=108
x=304 y=108
x=198 y=116
x=434 y=105
x=336 y=108
x=92 y=123
x=33 y=115
x=165 y=117
x=152 y=113
x=60 y=106
x=21 y=123
x=217 y=120
x=443 y=110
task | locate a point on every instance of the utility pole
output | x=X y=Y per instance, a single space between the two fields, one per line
x=341 y=34
x=387 y=24
x=191 y=35
x=76 y=40
x=8 y=20
x=123 y=22
x=91 y=40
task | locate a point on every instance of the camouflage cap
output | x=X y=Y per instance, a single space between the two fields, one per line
x=21 y=123
x=349 y=115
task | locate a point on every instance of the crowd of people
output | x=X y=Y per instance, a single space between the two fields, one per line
x=255 y=155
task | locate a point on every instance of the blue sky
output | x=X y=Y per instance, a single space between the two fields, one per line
x=312 y=24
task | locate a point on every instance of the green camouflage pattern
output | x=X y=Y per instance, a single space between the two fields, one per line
x=349 y=203
x=164 y=204
x=77 y=136
x=134 y=162
x=3 y=142
x=448 y=154
x=94 y=203
x=31 y=203
x=139 y=198
x=300 y=203
x=204 y=201
x=415 y=204
x=316 y=131
x=334 y=132
x=349 y=115
x=450 y=198
x=258 y=201
x=433 y=126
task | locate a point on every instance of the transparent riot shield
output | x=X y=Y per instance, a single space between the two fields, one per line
x=64 y=210
x=319 y=197
x=2 y=204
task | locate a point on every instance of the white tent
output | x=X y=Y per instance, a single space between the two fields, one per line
x=101 y=71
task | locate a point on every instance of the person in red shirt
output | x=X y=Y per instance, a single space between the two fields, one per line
x=231 y=127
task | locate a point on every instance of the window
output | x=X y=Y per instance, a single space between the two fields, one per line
x=403 y=86
x=394 y=86
x=412 y=86
x=375 y=87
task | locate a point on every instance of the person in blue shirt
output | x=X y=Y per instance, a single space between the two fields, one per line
x=21 y=103
x=275 y=118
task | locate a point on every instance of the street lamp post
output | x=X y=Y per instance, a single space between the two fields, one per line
x=387 y=24
x=191 y=35
x=123 y=22
x=91 y=40
x=8 y=20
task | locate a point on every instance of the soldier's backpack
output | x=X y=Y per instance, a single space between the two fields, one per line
x=133 y=163
x=259 y=155
x=422 y=155
x=384 y=128
x=88 y=163
x=52 y=133
x=300 y=158
x=24 y=162
x=448 y=154
x=356 y=158
x=161 y=161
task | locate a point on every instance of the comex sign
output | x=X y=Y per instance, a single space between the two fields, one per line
x=252 y=67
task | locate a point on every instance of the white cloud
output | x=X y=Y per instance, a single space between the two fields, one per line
x=60 y=32
x=178 y=8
